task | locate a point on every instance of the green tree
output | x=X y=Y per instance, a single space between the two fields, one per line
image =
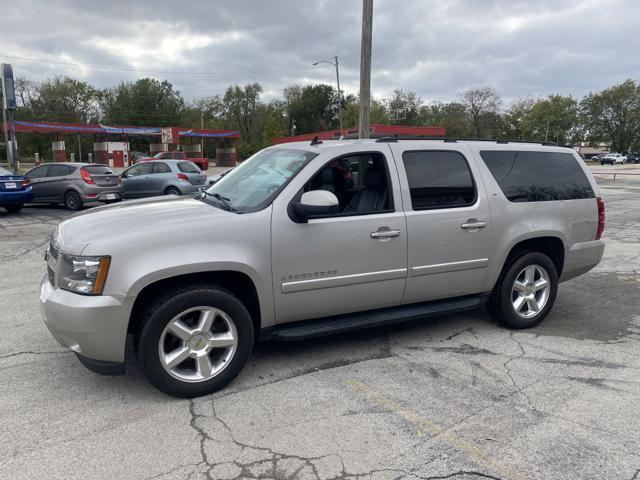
x=404 y=106
x=513 y=118
x=483 y=105
x=351 y=113
x=145 y=102
x=61 y=99
x=452 y=116
x=553 y=119
x=613 y=116
x=313 y=107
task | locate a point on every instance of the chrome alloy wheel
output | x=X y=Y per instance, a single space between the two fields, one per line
x=198 y=344
x=530 y=291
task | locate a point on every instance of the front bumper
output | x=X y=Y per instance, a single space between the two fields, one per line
x=94 y=327
x=581 y=258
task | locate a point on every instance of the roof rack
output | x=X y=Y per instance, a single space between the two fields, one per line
x=501 y=141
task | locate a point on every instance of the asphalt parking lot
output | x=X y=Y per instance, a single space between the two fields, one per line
x=452 y=397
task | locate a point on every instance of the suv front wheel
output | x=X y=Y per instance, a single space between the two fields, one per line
x=194 y=341
x=525 y=292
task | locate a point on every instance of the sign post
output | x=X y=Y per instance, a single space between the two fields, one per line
x=8 y=106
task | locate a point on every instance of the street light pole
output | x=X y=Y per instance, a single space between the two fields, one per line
x=335 y=64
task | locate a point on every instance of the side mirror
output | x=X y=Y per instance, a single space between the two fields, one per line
x=313 y=204
x=124 y=174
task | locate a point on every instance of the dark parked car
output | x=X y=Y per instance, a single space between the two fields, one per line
x=74 y=184
x=15 y=190
x=633 y=157
x=162 y=177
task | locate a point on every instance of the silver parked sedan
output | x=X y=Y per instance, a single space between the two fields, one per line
x=162 y=177
x=73 y=184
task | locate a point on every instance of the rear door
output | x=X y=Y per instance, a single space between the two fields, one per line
x=448 y=221
x=162 y=177
x=59 y=180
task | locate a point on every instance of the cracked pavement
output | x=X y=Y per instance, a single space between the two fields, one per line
x=450 y=397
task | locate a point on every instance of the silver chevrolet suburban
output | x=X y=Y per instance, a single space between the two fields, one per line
x=309 y=239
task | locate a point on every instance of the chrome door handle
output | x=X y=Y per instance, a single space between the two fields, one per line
x=385 y=233
x=473 y=224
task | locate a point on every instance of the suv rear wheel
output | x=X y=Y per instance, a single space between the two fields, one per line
x=525 y=292
x=194 y=341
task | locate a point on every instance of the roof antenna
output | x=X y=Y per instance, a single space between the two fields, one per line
x=315 y=141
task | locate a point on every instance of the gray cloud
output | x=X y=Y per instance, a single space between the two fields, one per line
x=437 y=49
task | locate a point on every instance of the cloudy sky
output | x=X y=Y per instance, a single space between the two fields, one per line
x=435 y=48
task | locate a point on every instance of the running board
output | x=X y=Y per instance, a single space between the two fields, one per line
x=307 y=329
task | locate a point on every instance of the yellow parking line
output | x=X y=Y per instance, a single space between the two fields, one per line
x=473 y=451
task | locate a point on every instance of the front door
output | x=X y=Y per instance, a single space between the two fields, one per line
x=37 y=176
x=137 y=181
x=351 y=261
x=447 y=220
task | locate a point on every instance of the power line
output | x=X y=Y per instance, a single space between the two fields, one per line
x=161 y=72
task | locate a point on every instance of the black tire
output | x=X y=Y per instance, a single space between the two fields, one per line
x=163 y=309
x=13 y=208
x=501 y=302
x=173 y=191
x=601 y=163
x=72 y=200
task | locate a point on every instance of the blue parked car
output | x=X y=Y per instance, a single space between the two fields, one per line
x=15 y=190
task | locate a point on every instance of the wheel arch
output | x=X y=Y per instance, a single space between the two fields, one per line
x=551 y=245
x=237 y=282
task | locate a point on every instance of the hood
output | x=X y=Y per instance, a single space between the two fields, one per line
x=154 y=216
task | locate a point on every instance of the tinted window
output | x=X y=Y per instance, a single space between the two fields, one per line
x=161 y=167
x=4 y=171
x=140 y=169
x=59 y=170
x=38 y=172
x=188 y=167
x=438 y=179
x=98 y=170
x=538 y=176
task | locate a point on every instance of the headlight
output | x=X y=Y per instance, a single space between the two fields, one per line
x=85 y=275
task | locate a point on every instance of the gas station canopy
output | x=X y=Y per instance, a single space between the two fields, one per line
x=99 y=129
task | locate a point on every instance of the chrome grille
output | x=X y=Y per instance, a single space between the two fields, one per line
x=53 y=251
x=52 y=276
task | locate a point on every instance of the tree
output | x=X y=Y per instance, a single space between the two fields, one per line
x=514 y=117
x=483 y=105
x=351 y=113
x=313 y=107
x=452 y=116
x=554 y=118
x=406 y=104
x=146 y=102
x=62 y=99
x=613 y=116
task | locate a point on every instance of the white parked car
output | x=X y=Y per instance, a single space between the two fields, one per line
x=613 y=159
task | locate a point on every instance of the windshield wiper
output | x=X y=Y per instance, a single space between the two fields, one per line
x=224 y=201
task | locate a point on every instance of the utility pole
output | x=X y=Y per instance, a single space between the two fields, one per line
x=365 y=69
x=339 y=96
x=202 y=138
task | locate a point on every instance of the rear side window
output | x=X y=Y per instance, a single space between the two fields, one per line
x=59 y=170
x=161 y=167
x=439 y=179
x=98 y=170
x=537 y=176
x=188 y=167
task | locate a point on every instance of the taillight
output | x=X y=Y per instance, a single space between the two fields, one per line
x=182 y=176
x=600 y=218
x=86 y=177
x=25 y=183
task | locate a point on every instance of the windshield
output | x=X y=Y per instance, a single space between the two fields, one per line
x=254 y=183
